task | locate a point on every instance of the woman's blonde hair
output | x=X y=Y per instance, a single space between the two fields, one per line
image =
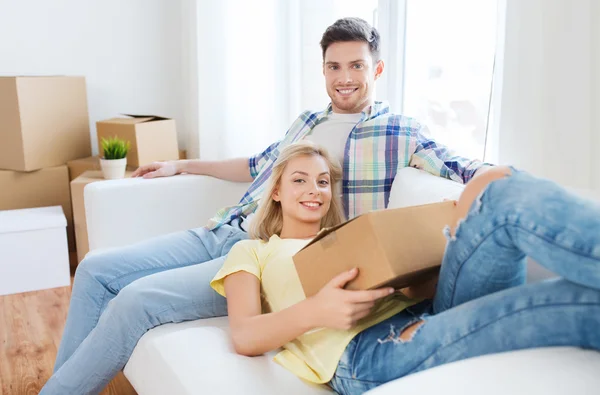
x=268 y=220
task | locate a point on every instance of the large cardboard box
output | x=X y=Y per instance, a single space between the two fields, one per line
x=395 y=247
x=92 y=163
x=43 y=122
x=152 y=138
x=40 y=188
x=79 y=219
x=34 y=250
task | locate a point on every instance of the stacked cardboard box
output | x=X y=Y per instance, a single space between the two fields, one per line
x=43 y=124
x=45 y=142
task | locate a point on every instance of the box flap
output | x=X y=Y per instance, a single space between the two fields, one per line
x=32 y=219
x=134 y=119
x=146 y=118
x=326 y=231
x=125 y=121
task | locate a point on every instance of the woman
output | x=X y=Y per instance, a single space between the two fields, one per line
x=349 y=339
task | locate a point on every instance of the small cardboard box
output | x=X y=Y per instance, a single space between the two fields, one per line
x=92 y=163
x=152 y=138
x=40 y=188
x=34 y=250
x=77 y=187
x=394 y=247
x=44 y=122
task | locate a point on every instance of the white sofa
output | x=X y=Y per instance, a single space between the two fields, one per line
x=197 y=357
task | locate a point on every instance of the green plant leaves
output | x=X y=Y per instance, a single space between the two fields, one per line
x=114 y=148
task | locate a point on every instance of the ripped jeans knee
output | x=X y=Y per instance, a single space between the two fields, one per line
x=405 y=334
x=470 y=199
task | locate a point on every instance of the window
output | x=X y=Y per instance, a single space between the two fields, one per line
x=439 y=58
x=447 y=69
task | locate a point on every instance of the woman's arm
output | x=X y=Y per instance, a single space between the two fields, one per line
x=254 y=333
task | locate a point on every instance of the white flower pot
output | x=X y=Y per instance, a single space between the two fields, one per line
x=113 y=169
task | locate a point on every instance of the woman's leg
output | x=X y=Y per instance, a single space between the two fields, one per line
x=551 y=313
x=517 y=215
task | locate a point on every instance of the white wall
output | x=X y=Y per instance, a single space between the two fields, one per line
x=130 y=52
x=548 y=121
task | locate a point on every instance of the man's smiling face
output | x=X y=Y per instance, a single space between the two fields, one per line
x=350 y=73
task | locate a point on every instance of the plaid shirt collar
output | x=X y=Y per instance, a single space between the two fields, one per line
x=375 y=110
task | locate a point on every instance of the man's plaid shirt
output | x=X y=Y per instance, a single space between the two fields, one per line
x=377 y=147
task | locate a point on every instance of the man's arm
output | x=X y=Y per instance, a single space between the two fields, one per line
x=441 y=161
x=237 y=170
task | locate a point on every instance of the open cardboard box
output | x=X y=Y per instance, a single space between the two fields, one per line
x=152 y=138
x=394 y=247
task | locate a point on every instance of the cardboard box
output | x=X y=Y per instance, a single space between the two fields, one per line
x=43 y=122
x=182 y=154
x=92 y=163
x=79 y=166
x=393 y=247
x=34 y=250
x=152 y=138
x=79 y=220
x=40 y=188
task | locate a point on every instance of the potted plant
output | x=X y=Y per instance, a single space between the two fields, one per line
x=114 y=162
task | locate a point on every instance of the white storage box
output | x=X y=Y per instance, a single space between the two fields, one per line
x=33 y=250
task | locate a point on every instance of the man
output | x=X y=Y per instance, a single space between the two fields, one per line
x=167 y=279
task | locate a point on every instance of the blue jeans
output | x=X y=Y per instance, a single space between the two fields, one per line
x=120 y=294
x=482 y=304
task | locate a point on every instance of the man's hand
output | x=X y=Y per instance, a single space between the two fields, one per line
x=337 y=308
x=156 y=169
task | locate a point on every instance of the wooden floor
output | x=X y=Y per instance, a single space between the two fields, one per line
x=31 y=325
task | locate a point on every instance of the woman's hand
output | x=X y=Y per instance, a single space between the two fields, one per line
x=337 y=308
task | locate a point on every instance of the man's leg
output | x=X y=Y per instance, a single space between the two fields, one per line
x=170 y=296
x=504 y=216
x=101 y=276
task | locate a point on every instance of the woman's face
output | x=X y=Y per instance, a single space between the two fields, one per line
x=304 y=190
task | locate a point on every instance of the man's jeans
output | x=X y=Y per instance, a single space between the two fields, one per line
x=482 y=305
x=118 y=295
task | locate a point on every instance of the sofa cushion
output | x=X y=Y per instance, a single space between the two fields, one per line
x=548 y=371
x=413 y=187
x=198 y=357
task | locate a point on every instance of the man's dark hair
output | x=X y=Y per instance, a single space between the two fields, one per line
x=351 y=29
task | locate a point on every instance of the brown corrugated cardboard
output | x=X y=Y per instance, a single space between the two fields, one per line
x=43 y=122
x=40 y=188
x=92 y=163
x=77 y=186
x=182 y=154
x=152 y=138
x=395 y=247
x=79 y=166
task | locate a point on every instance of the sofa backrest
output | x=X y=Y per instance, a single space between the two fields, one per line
x=414 y=187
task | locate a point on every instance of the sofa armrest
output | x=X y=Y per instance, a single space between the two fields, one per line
x=121 y=212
